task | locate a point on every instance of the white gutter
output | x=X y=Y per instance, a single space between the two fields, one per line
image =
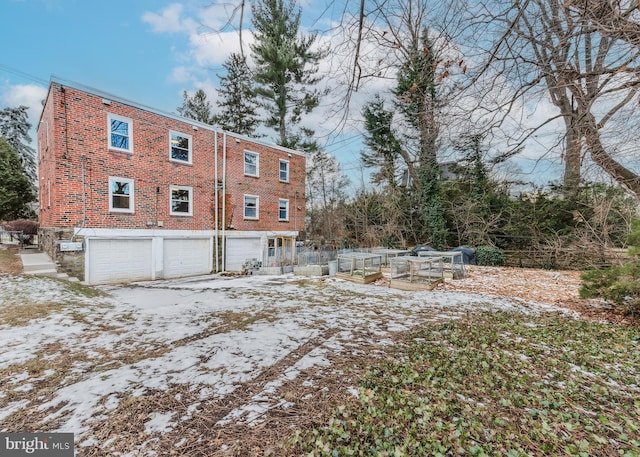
x=224 y=200
x=216 y=244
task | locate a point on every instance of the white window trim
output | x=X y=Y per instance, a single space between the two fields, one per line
x=131 y=208
x=190 y=138
x=288 y=170
x=286 y=201
x=244 y=164
x=122 y=119
x=244 y=207
x=178 y=213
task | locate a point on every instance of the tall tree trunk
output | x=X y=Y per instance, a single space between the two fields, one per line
x=622 y=175
x=572 y=155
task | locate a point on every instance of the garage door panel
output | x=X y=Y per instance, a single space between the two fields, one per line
x=187 y=257
x=239 y=250
x=119 y=260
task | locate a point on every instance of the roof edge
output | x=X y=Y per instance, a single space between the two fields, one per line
x=199 y=124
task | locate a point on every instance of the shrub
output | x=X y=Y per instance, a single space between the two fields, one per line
x=618 y=285
x=28 y=228
x=489 y=255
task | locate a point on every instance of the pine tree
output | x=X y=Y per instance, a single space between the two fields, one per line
x=14 y=127
x=384 y=147
x=196 y=107
x=16 y=191
x=286 y=70
x=238 y=105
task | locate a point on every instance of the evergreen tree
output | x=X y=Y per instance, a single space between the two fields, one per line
x=16 y=191
x=238 y=105
x=286 y=70
x=384 y=147
x=417 y=95
x=196 y=107
x=416 y=92
x=14 y=127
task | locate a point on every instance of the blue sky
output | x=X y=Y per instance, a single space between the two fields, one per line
x=150 y=51
x=103 y=44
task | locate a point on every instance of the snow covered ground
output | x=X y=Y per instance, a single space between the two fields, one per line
x=71 y=362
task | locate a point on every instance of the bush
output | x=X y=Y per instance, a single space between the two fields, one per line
x=28 y=228
x=489 y=255
x=619 y=285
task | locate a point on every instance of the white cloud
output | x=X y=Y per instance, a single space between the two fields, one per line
x=212 y=49
x=180 y=75
x=169 y=20
x=30 y=95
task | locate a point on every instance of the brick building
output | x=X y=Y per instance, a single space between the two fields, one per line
x=128 y=192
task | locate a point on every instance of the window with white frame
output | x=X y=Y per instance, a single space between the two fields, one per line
x=120 y=133
x=284 y=170
x=283 y=209
x=181 y=200
x=251 y=163
x=180 y=147
x=251 y=203
x=120 y=195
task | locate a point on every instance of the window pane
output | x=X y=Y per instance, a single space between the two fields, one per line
x=250 y=207
x=179 y=147
x=250 y=164
x=118 y=141
x=179 y=206
x=180 y=194
x=284 y=171
x=121 y=194
x=283 y=207
x=119 y=134
x=120 y=202
x=179 y=154
x=180 y=201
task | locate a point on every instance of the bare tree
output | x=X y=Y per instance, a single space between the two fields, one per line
x=590 y=77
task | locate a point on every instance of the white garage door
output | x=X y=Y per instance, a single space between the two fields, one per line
x=239 y=250
x=117 y=260
x=187 y=257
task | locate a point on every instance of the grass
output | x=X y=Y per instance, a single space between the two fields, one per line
x=10 y=263
x=494 y=385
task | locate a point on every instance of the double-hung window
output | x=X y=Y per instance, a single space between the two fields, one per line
x=120 y=133
x=251 y=163
x=179 y=147
x=283 y=209
x=284 y=170
x=120 y=195
x=251 y=207
x=181 y=201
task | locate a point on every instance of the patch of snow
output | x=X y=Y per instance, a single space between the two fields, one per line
x=159 y=423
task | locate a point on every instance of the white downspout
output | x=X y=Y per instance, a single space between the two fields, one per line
x=224 y=201
x=216 y=244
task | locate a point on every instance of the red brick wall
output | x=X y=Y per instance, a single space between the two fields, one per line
x=78 y=144
x=266 y=186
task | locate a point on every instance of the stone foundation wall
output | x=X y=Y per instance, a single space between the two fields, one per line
x=72 y=262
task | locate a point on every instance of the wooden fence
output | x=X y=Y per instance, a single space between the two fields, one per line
x=565 y=258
